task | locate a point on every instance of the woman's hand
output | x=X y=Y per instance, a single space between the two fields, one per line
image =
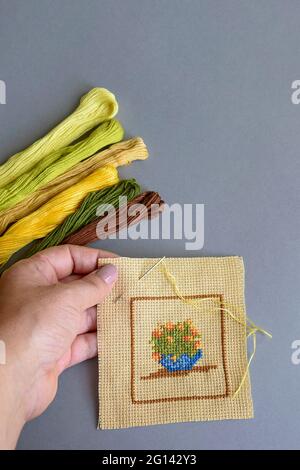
x=47 y=323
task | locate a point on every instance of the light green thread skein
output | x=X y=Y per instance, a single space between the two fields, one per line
x=95 y=107
x=55 y=164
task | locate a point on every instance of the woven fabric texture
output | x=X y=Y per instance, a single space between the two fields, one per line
x=163 y=360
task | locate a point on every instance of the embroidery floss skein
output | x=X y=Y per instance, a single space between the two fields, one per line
x=87 y=212
x=124 y=218
x=119 y=154
x=56 y=163
x=96 y=106
x=39 y=223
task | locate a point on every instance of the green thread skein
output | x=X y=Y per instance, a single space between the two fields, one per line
x=87 y=212
x=96 y=106
x=57 y=163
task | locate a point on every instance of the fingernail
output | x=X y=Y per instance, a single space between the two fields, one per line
x=108 y=273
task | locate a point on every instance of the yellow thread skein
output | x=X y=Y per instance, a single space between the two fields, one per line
x=96 y=106
x=119 y=154
x=39 y=223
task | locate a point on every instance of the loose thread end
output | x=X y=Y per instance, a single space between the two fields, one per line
x=253 y=329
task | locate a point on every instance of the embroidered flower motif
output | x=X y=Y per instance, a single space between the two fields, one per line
x=156 y=357
x=157 y=333
x=176 y=346
x=187 y=338
x=170 y=326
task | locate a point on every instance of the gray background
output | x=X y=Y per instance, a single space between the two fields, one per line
x=207 y=84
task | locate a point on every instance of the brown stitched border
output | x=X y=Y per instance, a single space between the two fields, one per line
x=194 y=397
x=179 y=373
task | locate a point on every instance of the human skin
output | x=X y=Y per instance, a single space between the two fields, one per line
x=48 y=323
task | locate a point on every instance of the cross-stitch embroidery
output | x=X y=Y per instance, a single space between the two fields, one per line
x=177 y=346
x=174 y=351
x=183 y=356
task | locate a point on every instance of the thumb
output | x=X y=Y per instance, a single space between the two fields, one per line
x=93 y=288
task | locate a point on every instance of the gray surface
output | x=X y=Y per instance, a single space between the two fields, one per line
x=207 y=85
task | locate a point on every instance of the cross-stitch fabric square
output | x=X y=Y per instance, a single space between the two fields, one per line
x=168 y=355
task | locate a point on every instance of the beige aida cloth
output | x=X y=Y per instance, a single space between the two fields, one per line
x=163 y=360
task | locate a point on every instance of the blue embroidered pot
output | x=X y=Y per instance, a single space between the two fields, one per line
x=183 y=362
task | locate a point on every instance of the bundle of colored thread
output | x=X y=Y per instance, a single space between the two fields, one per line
x=122 y=153
x=146 y=205
x=50 y=191
x=87 y=212
x=58 y=162
x=39 y=223
x=95 y=107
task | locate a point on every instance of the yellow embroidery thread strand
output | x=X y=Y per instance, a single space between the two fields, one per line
x=57 y=163
x=252 y=329
x=178 y=293
x=253 y=334
x=122 y=153
x=251 y=325
x=193 y=303
x=95 y=107
x=39 y=223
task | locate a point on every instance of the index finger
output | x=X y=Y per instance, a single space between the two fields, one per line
x=58 y=262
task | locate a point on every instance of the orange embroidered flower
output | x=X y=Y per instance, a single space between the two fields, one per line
x=170 y=326
x=187 y=338
x=194 y=332
x=156 y=333
x=156 y=357
x=170 y=339
x=180 y=326
x=198 y=344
